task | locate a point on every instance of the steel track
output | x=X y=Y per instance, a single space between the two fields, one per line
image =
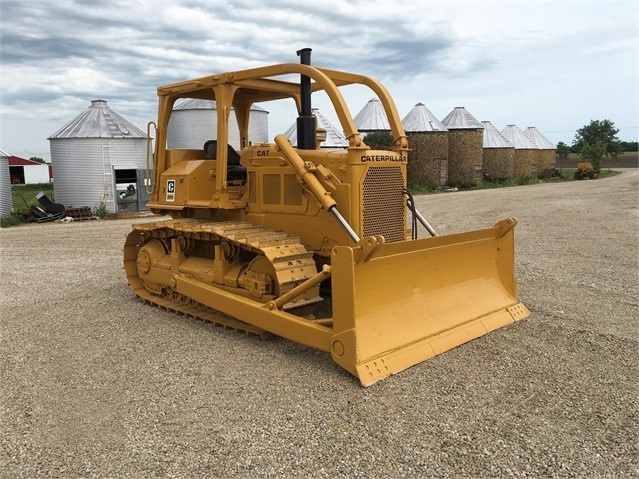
x=282 y=250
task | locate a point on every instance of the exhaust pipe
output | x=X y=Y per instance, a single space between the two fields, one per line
x=306 y=127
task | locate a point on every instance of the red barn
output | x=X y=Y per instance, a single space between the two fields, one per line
x=25 y=171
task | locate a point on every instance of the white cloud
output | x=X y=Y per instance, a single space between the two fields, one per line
x=554 y=65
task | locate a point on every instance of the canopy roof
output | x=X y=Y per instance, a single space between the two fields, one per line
x=198 y=104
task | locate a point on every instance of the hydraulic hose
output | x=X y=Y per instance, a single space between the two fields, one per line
x=417 y=216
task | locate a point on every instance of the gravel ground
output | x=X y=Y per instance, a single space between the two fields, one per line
x=96 y=384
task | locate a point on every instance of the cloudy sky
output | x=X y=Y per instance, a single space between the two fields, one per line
x=555 y=65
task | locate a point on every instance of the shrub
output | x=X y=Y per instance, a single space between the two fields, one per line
x=101 y=210
x=12 y=220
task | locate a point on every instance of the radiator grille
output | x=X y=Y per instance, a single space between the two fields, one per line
x=271 y=189
x=292 y=191
x=384 y=212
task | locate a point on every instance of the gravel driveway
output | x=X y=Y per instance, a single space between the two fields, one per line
x=96 y=384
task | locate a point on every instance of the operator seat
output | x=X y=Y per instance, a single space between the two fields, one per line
x=235 y=171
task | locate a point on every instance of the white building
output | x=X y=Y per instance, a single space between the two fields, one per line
x=28 y=172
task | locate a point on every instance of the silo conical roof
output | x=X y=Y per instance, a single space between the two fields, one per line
x=517 y=138
x=334 y=138
x=372 y=117
x=99 y=121
x=534 y=135
x=420 y=119
x=493 y=138
x=461 y=119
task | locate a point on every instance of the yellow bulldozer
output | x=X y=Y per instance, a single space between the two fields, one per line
x=317 y=246
x=585 y=171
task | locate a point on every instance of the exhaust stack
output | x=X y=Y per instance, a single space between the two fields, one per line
x=306 y=120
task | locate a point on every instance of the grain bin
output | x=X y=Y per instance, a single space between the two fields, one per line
x=465 y=147
x=499 y=154
x=526 y=153
x=194 y=122
x=99 y=159
x=372 y=117
x=334 y=138
x=6 y=200
x=428 y=142
x=547 y=154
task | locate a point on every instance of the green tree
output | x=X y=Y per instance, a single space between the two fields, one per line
x=598 y=135
x=594 y=154
x=562 y=150
x=37 y=159
x=629 y=146
x=379 y=140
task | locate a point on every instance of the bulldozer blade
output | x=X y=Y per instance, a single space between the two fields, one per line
x=398 y=304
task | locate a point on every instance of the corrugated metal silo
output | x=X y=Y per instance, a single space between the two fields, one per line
x=97 y=158
x=499 y=154
x=465 y=147
x=526 y=153
x=6 y=201
x=428 y=143
x=194 y=122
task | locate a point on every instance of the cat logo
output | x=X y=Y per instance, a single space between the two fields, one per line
x=170 y=190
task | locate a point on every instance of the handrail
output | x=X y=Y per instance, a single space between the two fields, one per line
x=147 y=183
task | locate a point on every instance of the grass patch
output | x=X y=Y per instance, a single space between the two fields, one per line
x=569 y=173
x=421 y=188
x=605 y=172
x=12 y=220
x=23 y=196
x=489 y=184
